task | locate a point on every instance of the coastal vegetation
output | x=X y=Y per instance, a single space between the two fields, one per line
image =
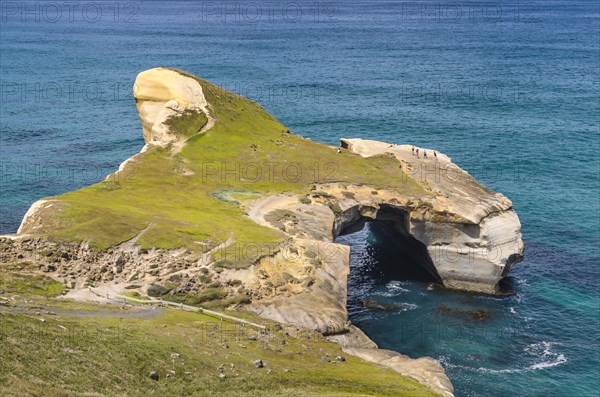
x=172 y=200
x=58 y=347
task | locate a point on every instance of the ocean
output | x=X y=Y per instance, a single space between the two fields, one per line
x=509 y=90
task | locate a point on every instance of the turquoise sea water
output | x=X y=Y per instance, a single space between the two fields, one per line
x=508 y=90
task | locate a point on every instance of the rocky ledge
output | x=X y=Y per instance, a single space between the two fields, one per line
x=224 y=204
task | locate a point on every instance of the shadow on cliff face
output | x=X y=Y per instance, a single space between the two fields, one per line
x=388 y=251
x=401 y=257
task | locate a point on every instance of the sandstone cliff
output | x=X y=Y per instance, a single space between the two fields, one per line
x=226 y=204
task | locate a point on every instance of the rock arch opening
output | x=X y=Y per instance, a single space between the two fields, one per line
x=387 y=247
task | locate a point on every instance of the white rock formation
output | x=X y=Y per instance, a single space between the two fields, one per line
x=162 y=93
x=472 y=234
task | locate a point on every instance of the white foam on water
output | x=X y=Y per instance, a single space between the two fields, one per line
x=518 y=298
x=408 y=306
x=396 y=286
x=542 y=350
x=519 y=315
x=393 y=288
x=560 y=359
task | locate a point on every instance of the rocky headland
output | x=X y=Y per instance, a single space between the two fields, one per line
x=225 y=207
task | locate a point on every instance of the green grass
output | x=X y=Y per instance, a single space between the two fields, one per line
x=73 y=354
x=156 y=290
x=206 y=295
x=135 y=295
x=187 y=124
x=247 y=153
x=18 y=278
x=213 y=297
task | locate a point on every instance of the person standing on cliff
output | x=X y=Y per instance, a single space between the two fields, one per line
x=417 y=152
x=435 y=155
x=424 y=153
x=413 y=150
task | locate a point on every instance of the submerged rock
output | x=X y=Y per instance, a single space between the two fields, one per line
x=477 y=315
x=372 y=304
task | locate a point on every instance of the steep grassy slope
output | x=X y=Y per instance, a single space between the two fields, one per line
x=178 y=199
x=55 y=348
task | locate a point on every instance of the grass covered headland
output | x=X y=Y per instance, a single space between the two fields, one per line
x=193 y=197
x=185 y=197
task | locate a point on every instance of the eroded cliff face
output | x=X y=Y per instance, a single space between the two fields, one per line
x=461 y=250
x=162 y=96
x=467 y=236
x=472 y=234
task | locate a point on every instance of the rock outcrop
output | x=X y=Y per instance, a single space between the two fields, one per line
x=163 y=95
x=472 y=234
x=463 y=246
x=425 y=370
x=466 y=236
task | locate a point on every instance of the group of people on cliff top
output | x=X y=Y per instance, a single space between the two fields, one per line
x=415 y=152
